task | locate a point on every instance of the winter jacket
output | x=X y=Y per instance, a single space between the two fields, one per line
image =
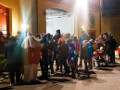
x=90 y=51
x=73 y=53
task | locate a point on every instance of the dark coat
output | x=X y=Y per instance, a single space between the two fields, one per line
x=13 y=53
x=62 y=51
x=56 y=38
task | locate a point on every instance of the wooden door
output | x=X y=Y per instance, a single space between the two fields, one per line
x=92 y=34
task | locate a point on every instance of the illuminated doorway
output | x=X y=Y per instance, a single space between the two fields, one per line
x=59 y=19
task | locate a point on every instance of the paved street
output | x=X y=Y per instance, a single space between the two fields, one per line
x=102 y=78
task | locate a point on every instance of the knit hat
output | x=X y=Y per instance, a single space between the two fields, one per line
x=84 y=41
x=58 y=31
x=71 y=45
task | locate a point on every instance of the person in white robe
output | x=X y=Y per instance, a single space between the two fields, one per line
x=31 y=48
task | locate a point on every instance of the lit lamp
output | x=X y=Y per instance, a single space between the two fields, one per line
x=83 y=28
x=24 y=27
x=81 y=4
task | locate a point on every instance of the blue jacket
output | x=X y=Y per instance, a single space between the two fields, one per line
x=73 y=53
x=90 y=50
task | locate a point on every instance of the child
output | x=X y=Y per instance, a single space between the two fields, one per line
x=75 y=42
x=119 y=51
x=44 y=61
x=85 y=53
x=90 y=55
x=73 y=59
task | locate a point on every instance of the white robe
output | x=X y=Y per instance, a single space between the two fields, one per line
x=30 y=70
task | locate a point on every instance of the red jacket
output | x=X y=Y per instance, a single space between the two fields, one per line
x=118 y=50
x=60 y=40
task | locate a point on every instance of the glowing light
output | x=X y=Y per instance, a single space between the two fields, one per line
x=81 y=12
x=83 y=28
x=23 y=26
x=81 y=4
x=26 y=9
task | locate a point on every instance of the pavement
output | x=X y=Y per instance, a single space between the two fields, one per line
x=102 y=78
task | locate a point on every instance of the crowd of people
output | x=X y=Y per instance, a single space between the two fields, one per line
x=57 y=53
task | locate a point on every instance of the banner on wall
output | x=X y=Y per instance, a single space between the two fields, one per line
x=3 y=19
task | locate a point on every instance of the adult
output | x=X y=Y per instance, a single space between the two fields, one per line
x=62 y=52
x=48 y=37
x=110 y=46
x=13 y=54
x=57 y=35
x=107 y=43
x=31 y=49
x=113 y=45
x=83 y=37
x=100 y=40
x=54 y=52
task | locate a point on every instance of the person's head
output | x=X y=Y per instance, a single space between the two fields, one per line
x=66 y=36
x=84 y=42
x=58 y=32
x=48 y=36
x=12 y=40
x=101 y=35
x=91 y=41
x=45 y=36
x=105 y=36
x=110 y=34
x=29 y=34
x=37 y=36
x=71 y=46
x=68 y=41
x=18 y=34
x=42 y=35
x=75 y=39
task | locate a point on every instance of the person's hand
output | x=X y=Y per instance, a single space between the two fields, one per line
x=72 y=59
